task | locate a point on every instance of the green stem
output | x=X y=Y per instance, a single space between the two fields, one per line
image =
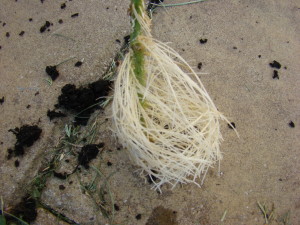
x=138 y=52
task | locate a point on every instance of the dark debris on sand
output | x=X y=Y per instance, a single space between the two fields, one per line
x=52 y=114
x=45 y=26
x=25 y=210
x=83 y=101
x=2 y=100
x=275 y=64
x=162 y=216
x=87 y=153
x=26 y=136
x=52 y=72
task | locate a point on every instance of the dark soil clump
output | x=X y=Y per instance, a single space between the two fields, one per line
x=116 y=207
x=75 y=15
x=61 y=176
x=17 y=163
x=292 y=124
x=203 y=41
x=275 y=75
x=63 y=5
x=26 y=136
x=199 y=65
x=2 y=100
x=45 y=26
x=87 y=153
x=26 y=210
x=162 y=216
x=78 y=64
x=275 y=64
x=127 y=39
x=83 y=100
x=52 y=72
x=53 y=114
x=231 y=125
x=138 y=216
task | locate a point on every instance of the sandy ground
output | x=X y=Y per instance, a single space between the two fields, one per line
x=243 y=37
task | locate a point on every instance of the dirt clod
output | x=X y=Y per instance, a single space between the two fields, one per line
x=26 y=136
x=83 y=100
x=199 y=65
x=275 y=64
x=53 y=114
x=17 y=163
x=162 y=216
x=52 y=72
x=61 y=176
x=45 y=26
x=78 y=64
x=75 y=15
x=26 y=210
x=117 y=208
x=275 y=75
x=87 y=153
x=127 y=39
x=203 y=40
x=292 y=124
x=138 y=216
x=2 y=100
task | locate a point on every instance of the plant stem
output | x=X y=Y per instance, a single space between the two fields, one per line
x=138 y=52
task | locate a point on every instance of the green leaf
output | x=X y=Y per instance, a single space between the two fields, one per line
x=2 y=220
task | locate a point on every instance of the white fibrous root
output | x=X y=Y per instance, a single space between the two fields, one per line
x=169 y=124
